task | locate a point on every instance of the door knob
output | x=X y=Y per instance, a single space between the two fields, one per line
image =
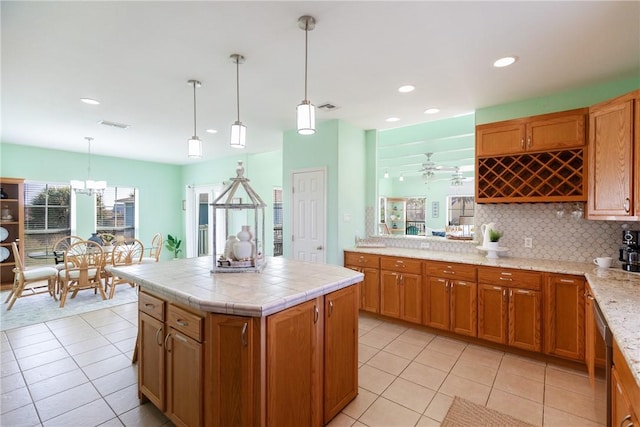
x=319 y=248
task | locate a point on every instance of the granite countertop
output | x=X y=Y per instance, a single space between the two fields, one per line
x=616 y=291
x=282 y=284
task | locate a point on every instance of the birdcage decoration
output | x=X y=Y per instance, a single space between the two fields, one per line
x=244 y=251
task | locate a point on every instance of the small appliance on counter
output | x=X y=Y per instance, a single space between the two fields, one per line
x=630 y=250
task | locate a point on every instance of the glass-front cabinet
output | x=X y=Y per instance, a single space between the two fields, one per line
x=396 y=215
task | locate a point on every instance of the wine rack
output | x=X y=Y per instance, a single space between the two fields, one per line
x=551 y=176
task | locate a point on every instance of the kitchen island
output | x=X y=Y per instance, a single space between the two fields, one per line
x=253 y=349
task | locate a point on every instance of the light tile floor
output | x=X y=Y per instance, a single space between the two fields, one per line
x=77 y=371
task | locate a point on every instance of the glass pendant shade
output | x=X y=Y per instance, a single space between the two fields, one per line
x=88 y=186
x=195 y=147
x=306 y=114
x=238 y=135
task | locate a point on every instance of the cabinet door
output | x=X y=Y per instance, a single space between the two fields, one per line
x=340 y=350
x=464 y=299
x=370 y=290
x=184 y=379
x=411 y=297
x=296 y=381
x=498 y=139
x=621 y=413
x=564 y=317
x=233 y=397
x=553 y=132
x=525 y=319
x=390 y=293
x=610 y=161
x=492 y=313
x=436 y=304
x=151 y=367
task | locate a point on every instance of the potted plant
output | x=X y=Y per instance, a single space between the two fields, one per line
x=173 y=244
x=494 y=238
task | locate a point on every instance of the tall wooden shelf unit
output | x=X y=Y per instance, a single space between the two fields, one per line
x=14 y=203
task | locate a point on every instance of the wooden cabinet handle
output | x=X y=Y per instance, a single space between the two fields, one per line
x=626 y=205
x=627 y=418
x=508 y=279
x=522 y=143
x=520 y=291
x=181 y=322
x=316 y=314
x=529 y=142
x=504 y=293
x=166 y=342
x=330 y=307
x=448 y=272
x=147 y=305
x=504 y=273
x=243 y=335
x=180 y=337
x=567 y=281
x=159 y=342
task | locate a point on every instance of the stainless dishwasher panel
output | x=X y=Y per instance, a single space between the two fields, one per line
x=605 y=332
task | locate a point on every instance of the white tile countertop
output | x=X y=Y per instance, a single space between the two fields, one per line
x=282 y=284
x=616 y=291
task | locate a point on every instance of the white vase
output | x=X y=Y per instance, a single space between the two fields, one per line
x=228 y=247
x=243 y=249
x=493 y=246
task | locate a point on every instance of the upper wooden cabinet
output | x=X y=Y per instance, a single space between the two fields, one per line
x=533 y=159
x=555 y=131
x=614 y=159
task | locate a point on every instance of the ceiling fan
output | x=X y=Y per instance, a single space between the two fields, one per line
x=429 y=168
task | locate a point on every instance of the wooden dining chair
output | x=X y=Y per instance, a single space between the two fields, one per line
x=29 y=281
x=83 y=264
x=124 y=253
x=154 y=250
x=60 y=246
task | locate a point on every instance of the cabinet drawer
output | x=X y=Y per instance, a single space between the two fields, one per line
x=151 y=305
x=451 y=270
x=405 y=265
x=510 y=277
x=188 y=323
x=361 y=260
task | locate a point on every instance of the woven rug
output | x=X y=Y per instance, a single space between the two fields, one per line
x=463 y=413
x=42 y=307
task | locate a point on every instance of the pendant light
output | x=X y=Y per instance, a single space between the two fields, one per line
x=88 y=187
x=195 y=145
x=238 y=130
x=306 y=112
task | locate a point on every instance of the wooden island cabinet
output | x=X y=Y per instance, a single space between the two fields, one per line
x=271 y=361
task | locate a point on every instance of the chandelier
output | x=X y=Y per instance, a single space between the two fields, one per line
x=88 y=186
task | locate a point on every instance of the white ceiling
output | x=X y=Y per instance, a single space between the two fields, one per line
x=136 y=58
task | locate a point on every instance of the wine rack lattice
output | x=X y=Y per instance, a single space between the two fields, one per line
x=552 y=176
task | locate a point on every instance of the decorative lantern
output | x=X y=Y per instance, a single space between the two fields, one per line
x=244 y=253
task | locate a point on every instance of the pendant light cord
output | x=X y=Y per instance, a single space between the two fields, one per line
x=194 y=109
x=89 y=139
x=238 y=86
x=306 y=50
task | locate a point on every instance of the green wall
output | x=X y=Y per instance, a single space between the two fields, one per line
x=160 y=198
x=340 y=148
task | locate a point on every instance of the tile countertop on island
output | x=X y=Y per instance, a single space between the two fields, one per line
x=282 y=284
x=616 y=291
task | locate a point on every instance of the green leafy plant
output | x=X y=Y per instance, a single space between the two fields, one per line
x=495 y=235
x=173 y=244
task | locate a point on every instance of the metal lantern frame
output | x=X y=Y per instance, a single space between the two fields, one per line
x=230 y=201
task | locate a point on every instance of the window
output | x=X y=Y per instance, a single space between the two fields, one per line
x=116 y=211
x=47 y=217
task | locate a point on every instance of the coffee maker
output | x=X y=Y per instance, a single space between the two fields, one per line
x=630 y=250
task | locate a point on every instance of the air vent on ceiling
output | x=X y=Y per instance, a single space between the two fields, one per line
x=114 y=124
x=327 y=107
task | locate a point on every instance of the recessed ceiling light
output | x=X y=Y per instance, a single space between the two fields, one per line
x=432 y=110
x=505 y=62
x=90 y=101
x=211 y=131
x=406 y=88
x=392 y=119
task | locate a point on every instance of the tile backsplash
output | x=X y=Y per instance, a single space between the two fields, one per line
x=563 y=238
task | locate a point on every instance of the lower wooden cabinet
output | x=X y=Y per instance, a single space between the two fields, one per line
x=369 y=288
x=450 y=300
x=401 y=288
x=564 y=314
x=625 y=393
x=295 y=367
x=510 y=307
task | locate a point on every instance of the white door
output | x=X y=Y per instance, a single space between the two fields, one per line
x=200 y=232
x=308 y=215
